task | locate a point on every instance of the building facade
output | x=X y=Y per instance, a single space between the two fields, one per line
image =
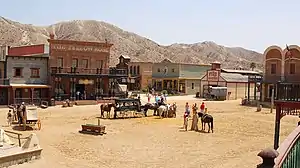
x=182 y=78
x=4 y=82
x=237 y=82
x=280 y=65
x=140 y=75
x=80 y=70
x=28 y=77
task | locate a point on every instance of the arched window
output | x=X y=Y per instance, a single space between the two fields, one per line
x=130 y=70
x=134 y=70
x=138 y=70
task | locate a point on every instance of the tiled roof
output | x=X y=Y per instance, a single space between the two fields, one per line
x=234 y=77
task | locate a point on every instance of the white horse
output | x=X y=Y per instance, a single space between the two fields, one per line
x=163 y=109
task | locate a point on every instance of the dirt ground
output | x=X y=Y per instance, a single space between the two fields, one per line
x=239 y=134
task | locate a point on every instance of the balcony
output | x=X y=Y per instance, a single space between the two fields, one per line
x=271 y=78
x=4 y=82
x=89 y=71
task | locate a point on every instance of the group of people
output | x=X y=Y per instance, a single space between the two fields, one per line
x=187 y=114
x=18 y=114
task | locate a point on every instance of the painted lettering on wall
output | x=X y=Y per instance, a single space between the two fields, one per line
x=63 y=47
x=213 y=75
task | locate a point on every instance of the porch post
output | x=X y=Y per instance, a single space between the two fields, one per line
x=32 y=90
x=59 y=84
x=71 y=88
x=248 y=94
x=14 y=95
x=255 y=90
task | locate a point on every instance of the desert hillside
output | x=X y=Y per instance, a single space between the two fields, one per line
x=127 y=43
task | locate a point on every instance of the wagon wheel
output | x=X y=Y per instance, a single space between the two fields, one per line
x=39 y=124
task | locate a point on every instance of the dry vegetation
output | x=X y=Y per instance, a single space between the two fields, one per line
x=126 y=43
x=239 y=134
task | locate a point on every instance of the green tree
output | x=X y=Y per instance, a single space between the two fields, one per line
x=253 y=65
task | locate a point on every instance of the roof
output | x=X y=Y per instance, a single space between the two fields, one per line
x=241 y=71
x=125 y=56
x=234 y=77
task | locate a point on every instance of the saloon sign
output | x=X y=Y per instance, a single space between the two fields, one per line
x=213 y=75
x=78 y=48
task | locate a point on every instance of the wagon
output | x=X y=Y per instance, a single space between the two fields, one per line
x=31 y=118
x=129 y=104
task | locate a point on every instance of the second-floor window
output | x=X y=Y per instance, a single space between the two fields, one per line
x=99 y=63
x=130 y=70
x=60 y=62
x=18 y=72
x=85 y=63
x=138 y=70
x=74 y=62
x=35 y=73
x=292 y=68
x=173 y=70
x=158 y=70
x=134 y=70
x=273 y=68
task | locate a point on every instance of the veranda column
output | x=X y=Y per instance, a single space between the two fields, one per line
x=71 y=89
x=32 y=97
x=56 y=88
x=59 y=86
x=14 y=95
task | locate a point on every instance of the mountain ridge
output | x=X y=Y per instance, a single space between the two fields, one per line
x=128 y=43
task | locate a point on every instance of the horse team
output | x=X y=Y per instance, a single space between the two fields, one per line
x=169 y=111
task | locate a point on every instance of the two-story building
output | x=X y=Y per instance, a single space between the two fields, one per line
x=280 y=65
x=27 y=71
x=182 y=78
x=4 y=82
x=140 y=75
x=80 y=70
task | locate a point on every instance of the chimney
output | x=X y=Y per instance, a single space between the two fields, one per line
x=51 y=36
x=216 y=66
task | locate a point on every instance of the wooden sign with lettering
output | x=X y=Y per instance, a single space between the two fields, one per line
x=213 y=75
x=78 y=48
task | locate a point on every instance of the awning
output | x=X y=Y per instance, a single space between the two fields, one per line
x=29 y=86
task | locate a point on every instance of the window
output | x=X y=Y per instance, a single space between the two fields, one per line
x=35 y=72
x=37 y=93
x=85 y=63
x=18 y=93
x=173 y=70
x=292 y=68
x=99 y=63
x=158 y=70
x=60 y=62
x=138 y=70
x=273 y=68
x=74 y=62
x=130 y=70
x=192 y=85
x=18 y=72
x=134 y=70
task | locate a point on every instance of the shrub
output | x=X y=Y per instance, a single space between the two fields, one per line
x=164 y=92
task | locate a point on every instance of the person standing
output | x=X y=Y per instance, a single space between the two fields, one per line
x=9 y=118
x=202 y=107
x=194 y=126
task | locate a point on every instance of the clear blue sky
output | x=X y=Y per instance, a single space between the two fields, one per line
x=251 y=24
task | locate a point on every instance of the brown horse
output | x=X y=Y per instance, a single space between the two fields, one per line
x=207 y=118
x=106 y=108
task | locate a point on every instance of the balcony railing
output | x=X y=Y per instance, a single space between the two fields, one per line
x=86 y=71
x=272 y=78
x=5 y=82
x=288 y=92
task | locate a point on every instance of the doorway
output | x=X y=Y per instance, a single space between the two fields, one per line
x=3 y=96
x=81 y=89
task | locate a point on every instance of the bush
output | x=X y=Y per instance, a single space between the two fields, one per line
x=145 y=90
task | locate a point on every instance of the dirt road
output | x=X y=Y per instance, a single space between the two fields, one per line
x=239 y=134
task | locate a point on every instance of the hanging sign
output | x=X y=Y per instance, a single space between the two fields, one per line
x=213 y=75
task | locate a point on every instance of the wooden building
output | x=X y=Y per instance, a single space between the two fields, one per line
x=82 y=67
x=123 y=64
x=237 y=82
x=140 y=75
x=4 y=82
x=27 y=71
x=182 y=78
x=280 y=65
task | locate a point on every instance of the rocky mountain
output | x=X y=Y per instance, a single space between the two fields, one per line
x=127 y=43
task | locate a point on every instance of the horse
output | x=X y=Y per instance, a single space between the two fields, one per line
x=151 y=106
x=106 y=108
x=172 y=110
x=162 y=110
x=207 y=118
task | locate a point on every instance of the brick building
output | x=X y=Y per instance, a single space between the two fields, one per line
x=82 y=67
x=280 y=65
x=140 y=75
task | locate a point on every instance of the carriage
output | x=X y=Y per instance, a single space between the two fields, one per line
x=30 y=119
x=129 y=104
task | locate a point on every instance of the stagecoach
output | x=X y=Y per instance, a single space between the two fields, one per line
x=129 y=104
